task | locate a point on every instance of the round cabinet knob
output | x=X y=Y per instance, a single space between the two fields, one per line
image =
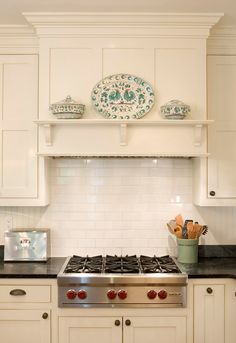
x=209 y=290
x=162 y=294
x=71 y=294
x=45 y=315
x=122 y=294
x=82 y=294
x=127 y=322
x=151 y=294
x=117 y=322
x=111 y=294
x=212 y=193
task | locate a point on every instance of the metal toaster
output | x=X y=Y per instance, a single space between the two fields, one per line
x=27 y=245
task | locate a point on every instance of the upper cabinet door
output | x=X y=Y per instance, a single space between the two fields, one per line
x=222 y=134
x=18 y=133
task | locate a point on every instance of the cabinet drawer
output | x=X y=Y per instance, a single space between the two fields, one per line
x=25 y=294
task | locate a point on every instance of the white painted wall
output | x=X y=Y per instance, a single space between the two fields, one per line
x=120 y=206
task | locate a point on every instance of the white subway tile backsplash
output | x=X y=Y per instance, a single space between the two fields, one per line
x=120 y=206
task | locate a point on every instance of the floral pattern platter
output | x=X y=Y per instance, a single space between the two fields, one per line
x=122 y=96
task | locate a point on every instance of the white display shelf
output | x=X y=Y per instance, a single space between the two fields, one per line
x=123 y=121
x=123 y=125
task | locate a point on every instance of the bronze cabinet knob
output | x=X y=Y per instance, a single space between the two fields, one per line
x=209 y=290
x=45 y=315
x=127 y=322
x=117 y=322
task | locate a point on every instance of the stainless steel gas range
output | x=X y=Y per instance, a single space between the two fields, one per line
x=121 y=281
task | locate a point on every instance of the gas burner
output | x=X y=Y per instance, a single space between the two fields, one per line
x=163 y=264
x=78 y=264
x=121 y=264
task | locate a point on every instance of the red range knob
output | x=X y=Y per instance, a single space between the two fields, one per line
x=122 y=294
x=111 y=294
x=162 y=294
x=82 y=294
x=151 y=294
x=71 y=294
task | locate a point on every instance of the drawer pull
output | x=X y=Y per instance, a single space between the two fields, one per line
x=17 y=292
x=209 y=290
x=45 y=315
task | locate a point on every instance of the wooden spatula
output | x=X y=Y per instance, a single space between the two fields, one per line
x=191 y=230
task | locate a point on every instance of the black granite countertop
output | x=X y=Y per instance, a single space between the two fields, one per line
x=32 y=270
x=214 y=261
x=211 y=267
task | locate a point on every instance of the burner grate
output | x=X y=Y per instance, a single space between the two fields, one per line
x=121 y=264
x=163 y=264
x=78 y=264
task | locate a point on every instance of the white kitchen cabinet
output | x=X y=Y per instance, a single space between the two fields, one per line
x=122 y=329
x=209 y=313
x=215 y=181
x=25 y=311
x=230 y=311
x=21 y=172
x=24 y=326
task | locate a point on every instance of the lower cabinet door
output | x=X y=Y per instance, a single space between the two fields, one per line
x=155 y=329
x=90 y=330
x=209 y=314
x=24 y=326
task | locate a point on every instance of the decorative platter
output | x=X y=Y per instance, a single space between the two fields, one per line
x=122 y=96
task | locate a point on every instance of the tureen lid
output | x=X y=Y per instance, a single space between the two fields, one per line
x=66 y=101
x=176 y=102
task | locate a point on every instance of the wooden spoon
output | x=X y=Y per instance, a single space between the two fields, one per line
x=179 y=220
x=178 y=231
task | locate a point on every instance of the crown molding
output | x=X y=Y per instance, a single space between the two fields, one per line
x=136 y=24
x=18 y=38
x=16 y=30
x=222 y=41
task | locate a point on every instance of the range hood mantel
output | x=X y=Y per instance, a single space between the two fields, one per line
x=168 y=50
x=125 y=139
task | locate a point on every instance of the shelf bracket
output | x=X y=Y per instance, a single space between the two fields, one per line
x=123 y=134
x=198 y=135
x=48 y=134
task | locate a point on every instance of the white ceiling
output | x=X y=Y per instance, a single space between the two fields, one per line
x=10 y=10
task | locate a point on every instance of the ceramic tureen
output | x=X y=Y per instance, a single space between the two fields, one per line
x=67 y=109
x=175 y=109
